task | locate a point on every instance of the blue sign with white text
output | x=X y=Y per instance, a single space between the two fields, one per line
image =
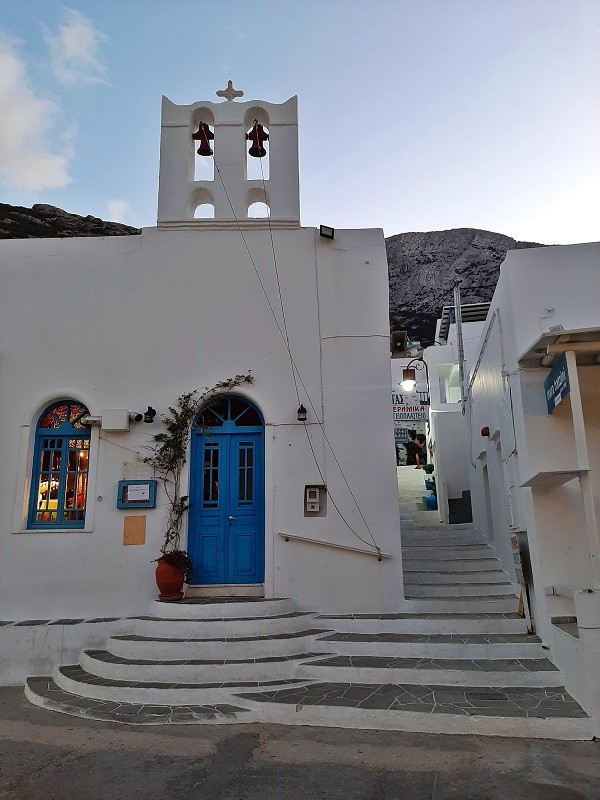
x=401 y=435
x=556 y=384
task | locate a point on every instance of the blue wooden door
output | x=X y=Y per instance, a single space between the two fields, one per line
x=226 y=519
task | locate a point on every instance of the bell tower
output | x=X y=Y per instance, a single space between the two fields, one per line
x=230 y=134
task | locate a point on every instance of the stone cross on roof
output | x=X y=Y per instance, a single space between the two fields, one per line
x=229 y=92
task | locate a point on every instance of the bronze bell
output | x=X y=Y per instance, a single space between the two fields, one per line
x=203 y=135
x=257 y=136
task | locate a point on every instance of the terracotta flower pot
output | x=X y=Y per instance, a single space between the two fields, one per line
x=169 y=580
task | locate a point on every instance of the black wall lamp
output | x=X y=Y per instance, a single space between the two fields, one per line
x=301 y=414
x=326 y=232
x=149 y=415
x=409 y=374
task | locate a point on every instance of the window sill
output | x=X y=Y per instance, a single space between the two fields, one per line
x=53 y=530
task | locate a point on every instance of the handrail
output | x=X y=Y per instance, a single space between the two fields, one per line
x=379 y=555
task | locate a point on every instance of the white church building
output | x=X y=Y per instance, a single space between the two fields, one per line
x=302 y=605
x=96 y=330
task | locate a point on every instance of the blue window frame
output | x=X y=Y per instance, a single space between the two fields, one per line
x=60 y=468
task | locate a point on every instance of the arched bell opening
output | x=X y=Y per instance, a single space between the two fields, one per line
x=203 y=134
x=258 y=211
x=256 y=122
x=257 y=202
x=205 y=211
x=201 y=204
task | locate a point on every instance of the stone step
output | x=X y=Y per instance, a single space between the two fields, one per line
x=433 y=538
x=445 y=672
x=422 y=645
x=44 y=692
x=440 y=553
x=228 y=627
x=452 y=567
x=428 y=623
x=462 y=590
x=79 y=682
x=244 y=647
x=174 y=670
x=534 y=712
x=222 y=608
x=459 y=547
x=424 y=577
x=450 y=530
x=453 y=604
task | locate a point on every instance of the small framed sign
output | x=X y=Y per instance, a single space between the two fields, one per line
x=136 y=494
x=557 y=385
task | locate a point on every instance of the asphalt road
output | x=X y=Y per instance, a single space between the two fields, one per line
x=49 y=756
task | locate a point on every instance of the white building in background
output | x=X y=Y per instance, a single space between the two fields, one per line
x=534 y=441
x=410 y=406
x=448 y=434
x=105 y=327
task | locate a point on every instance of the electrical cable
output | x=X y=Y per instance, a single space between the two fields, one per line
x=294 y=367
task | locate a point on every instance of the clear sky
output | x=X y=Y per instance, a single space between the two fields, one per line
x=414 y=114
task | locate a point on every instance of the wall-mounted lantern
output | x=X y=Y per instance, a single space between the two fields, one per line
x=409 y=374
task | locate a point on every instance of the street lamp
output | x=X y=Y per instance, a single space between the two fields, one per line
x=409 y=374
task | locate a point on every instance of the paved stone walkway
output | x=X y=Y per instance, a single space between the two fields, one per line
x=505 y=702
x=57 y=757
x=470 y=665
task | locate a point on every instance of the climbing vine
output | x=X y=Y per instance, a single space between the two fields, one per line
x=168 y=455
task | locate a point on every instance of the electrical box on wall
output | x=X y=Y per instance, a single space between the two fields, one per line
x=315 y=501
x=115 y=419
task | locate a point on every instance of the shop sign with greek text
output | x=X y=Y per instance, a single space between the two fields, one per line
x=557 y=385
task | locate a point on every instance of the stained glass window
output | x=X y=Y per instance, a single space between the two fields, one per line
x=60 y=468
x=229 y=411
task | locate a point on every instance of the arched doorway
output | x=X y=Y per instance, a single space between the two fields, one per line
x=226 y=531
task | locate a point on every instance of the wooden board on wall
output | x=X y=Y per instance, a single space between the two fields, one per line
x=134 y=529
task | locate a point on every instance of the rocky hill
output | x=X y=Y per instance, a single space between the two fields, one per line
x=423 y=268
x=43 y=222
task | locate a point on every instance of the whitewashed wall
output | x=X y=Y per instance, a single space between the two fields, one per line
x=127 y=322
x=539 y=288
x=449 y=428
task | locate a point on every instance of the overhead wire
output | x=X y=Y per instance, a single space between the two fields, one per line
x=293 y=369
x=283 y=332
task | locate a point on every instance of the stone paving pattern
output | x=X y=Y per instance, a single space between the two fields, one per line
x=77 y=673
x=483 y=665
x=93 y=620
x=290 y=635
x=509 y=702
x=105 y=656
x=132 y=713
x=408 y=615
x=437 y=638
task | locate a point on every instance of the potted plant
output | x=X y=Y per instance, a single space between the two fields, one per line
x=172 y=569
x=428 y=468
x=168 y=456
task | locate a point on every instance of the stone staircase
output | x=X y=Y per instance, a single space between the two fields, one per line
x=455 y=659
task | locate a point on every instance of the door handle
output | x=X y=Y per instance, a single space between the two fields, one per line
x=230 y=518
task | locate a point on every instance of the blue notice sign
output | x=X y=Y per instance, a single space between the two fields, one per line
x=401 y=435
x=556 y=384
